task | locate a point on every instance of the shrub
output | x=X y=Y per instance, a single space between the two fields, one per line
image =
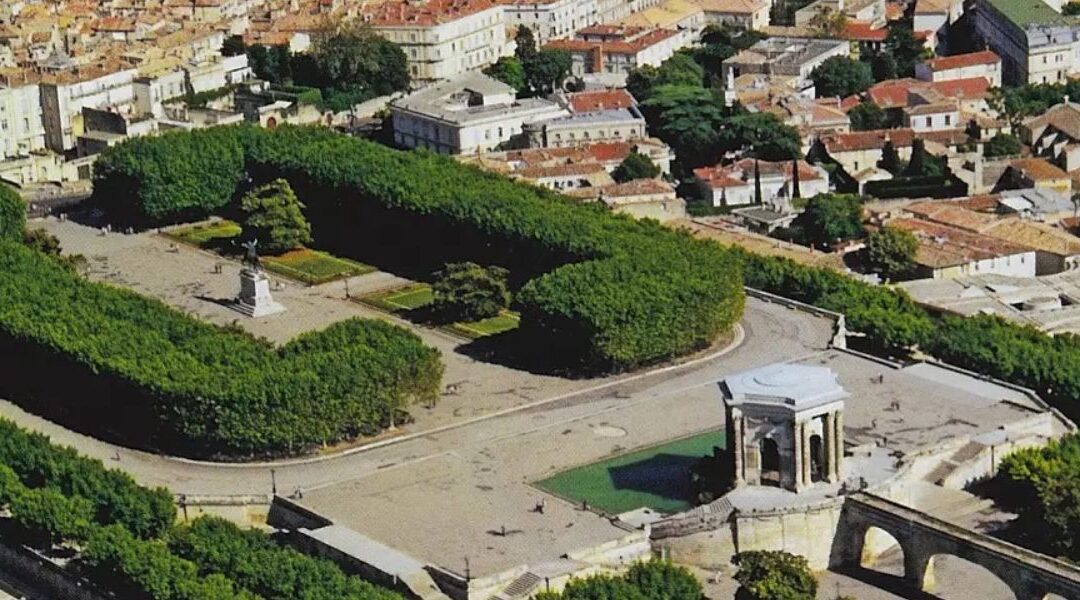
x=12 y=214
x=469 y=292
x=774 y=575
x=275 y=218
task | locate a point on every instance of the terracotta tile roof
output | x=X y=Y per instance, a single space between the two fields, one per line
x=875 y=139
x=1063 y=117
x=396 y=13
x=864 y=31
x=742 y=7
x=1038 y=236
x=949 y=213
x=959 y=61
x=637 y=187
x=114 y=24
x=893 y=93
x=968 y=88
x=633 y=45
x=981 y=203
x=600 y=100
x=741 y=173
x=944 y=246
x=564 y=170
x=1038 y=169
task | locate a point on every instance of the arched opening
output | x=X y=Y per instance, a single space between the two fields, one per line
x=882 y=554
x=271 y=123
x=950 y=577
x=817 y=459
x=1053 y=597
x=770 y=462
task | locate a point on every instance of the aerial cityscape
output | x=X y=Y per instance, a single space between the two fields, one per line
x=539 y=299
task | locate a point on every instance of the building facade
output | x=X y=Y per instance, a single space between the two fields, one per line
x=442 y=38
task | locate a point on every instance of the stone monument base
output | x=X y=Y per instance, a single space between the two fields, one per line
x=254 y=299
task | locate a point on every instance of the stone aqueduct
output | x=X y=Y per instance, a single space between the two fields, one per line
x=1030 y=575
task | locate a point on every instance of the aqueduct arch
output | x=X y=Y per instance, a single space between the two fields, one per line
x=1030 y=575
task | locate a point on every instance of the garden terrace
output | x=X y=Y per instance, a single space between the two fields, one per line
x=608 y=292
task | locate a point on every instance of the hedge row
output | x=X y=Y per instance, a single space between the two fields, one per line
x=210 y=559
x=195 y=388
x=254 y=561
x=12 y=214
x=38 y=463
x=611 y=292
x=71 y=498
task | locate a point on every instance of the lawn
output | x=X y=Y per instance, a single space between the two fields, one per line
x=205 y=235
x=303 y=264
x=412 y=297
x=656 y=477
x=313 y=267
x=485 y=327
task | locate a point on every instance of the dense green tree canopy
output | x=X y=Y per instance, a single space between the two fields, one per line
x=891 y=252
x=12 y=214
x=840 y=76
x=883 y=66
x=351 y=58
x=508 y=69
x=1002 y=144
x=774 y=575
x=274 y=217
x=635 y=166
x=830 y=218
x=866 y=116
x=761 y=133
x=905 y=49
x=469 y=292
x=546 y=72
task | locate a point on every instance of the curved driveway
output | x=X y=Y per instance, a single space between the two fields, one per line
x=772 y=333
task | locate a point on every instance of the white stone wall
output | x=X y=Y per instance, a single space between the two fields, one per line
x=992 y=72
x=444 y=51
x=21 y=128
x=552 y=20
x=412 y=130
x=933 y=122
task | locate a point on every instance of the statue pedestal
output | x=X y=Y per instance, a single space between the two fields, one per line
x=254 y=299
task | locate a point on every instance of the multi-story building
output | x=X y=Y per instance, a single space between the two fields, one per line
x=608 y=125
x=779 y=60
x=741 y=14
x=1036 y=43
x=616 y=50
x=962 y=66
x=550 y=19
x=65 y=94
x=21 y=128
x=470 y=114
x=442 y=38
x=735 y=184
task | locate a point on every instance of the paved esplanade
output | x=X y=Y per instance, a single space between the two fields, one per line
x=650 y=408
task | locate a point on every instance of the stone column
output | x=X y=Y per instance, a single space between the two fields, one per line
x=838 y=435
x=739 y=429
x=830 y=448
x=807 y=461
x=797 y=455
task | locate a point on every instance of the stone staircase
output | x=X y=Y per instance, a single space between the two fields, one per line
x=521 y=587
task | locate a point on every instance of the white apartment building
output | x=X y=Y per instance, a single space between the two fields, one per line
x=550 y=19
x=64 y=95
x=1035 y=42
x=442 y=38
x=734 y=184
x=21 y=128
x=472 y=113
x=962 y=66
